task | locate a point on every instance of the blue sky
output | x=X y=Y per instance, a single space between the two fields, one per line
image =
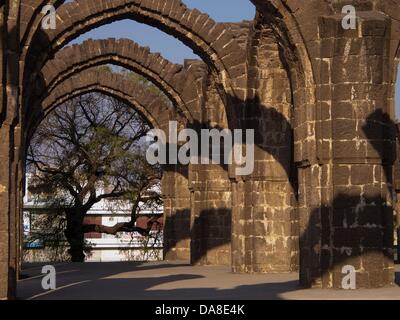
x=173 y=49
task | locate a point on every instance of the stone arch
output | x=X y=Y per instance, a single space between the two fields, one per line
x=150 y=105
x=188 y=83
x=295 y=52
x=214 y=42
x=182 y=84
x=175 y=178
x=31 y=18
x=276 y=108
x=293 y=29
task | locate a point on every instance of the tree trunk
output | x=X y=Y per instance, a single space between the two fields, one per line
x=74 y=234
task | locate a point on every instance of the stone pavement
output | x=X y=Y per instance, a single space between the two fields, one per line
x=178 y=280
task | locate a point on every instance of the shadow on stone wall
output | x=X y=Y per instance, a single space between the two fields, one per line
x=344 y=234
x=177 y=235
x=212 y=233
x=357 y=228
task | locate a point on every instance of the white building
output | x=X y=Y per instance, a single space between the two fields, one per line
x=102 y=247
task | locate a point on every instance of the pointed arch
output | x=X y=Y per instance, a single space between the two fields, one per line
x=214 y=42
x=148 y=104
x=181 y=84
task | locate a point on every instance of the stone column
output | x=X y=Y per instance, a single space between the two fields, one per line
x=210 y=216
x=19 y=156
x=10 y=175
x=4 y=140
x=9 y=48
x=265 y=223
x=354 y=224
x=176 y=195
x=6 y=274
x=211 y=203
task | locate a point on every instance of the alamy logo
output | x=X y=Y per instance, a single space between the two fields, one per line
x=49 y=280
x=198 y=150
x=349 y=280
x=49 y=20
x=349 y=21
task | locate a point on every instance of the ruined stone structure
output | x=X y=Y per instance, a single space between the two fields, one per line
x=320 y=99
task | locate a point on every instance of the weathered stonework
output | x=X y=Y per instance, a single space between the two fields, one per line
x=267 y=223
x=320 y=99
x=176 y=213
x=172 y=79
x=210 y=191
x=149 y=104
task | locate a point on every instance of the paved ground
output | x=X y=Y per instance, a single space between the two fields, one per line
x=162 y=280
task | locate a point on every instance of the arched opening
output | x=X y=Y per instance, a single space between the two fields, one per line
x=64 y=162
x=103 y=76
x=217 y=102
x=171 y=79
x=213 y=98
x=176 y=207
x=205 y=45
x=157 y=109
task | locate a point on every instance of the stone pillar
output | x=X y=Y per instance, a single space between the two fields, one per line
x=9 y=49
x=265 y=231
x=4 y=139
x=18 y=193
x=211 y=212
x=5 y=273
x=176 y=195
x=210 y=216
x=9 y=212
x=354 y=224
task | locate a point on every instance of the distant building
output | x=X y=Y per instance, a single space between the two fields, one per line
x=101 y=247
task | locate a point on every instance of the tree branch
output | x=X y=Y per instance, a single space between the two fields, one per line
x=120 y=227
